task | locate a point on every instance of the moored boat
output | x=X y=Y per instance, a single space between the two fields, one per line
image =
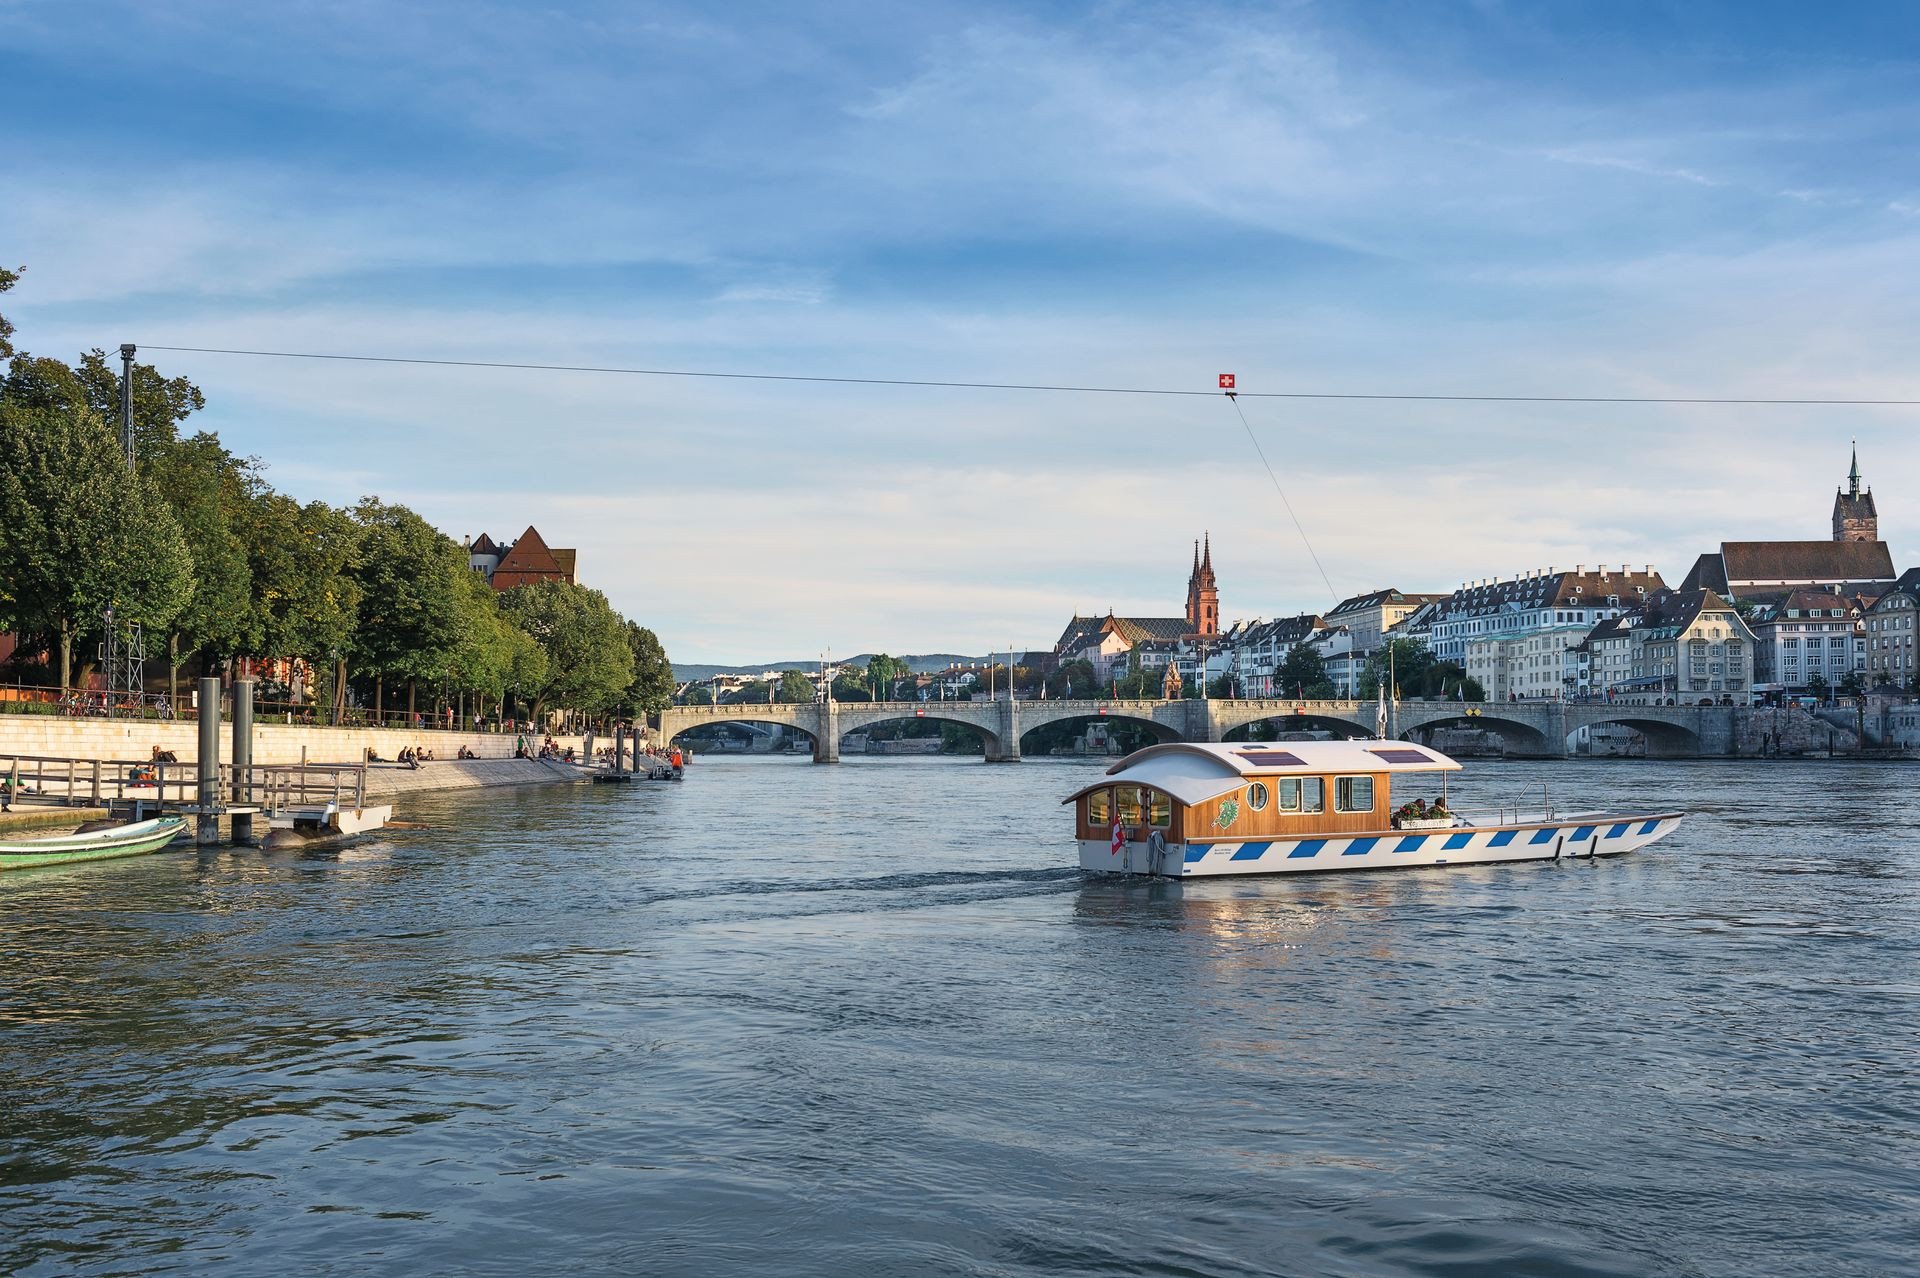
x=136 y=839
x=1187 y=809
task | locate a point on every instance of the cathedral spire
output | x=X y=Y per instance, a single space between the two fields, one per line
x=1853 y=476
x=1206 y=562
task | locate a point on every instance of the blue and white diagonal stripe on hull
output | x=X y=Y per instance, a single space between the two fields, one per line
x=1591 y=836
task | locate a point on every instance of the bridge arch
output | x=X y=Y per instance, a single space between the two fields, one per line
x=1515 y=737
x=673 y=731
x=1040 y=729
x=1664 y=739
x=1338 y=726
x=852 y=718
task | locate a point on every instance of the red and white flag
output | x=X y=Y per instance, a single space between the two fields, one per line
x=1226 y=381
x=1119 y=838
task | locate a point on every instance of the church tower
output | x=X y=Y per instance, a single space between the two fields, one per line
x=1203 y=595
x=1854 y=517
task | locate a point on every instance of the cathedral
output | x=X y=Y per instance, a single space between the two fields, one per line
x=1203 y=594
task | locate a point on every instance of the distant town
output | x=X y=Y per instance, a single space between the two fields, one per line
x=1751 y=623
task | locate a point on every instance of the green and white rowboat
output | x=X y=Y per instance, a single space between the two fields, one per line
x=137 y=839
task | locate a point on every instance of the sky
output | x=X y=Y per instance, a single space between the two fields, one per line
x=1689 y=199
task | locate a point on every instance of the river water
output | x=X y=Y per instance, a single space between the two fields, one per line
x=791 y=1020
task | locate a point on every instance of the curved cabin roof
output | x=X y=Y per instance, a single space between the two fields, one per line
x=1194 y=772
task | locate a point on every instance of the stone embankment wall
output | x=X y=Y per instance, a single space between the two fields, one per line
x=1791 y=730
x=50 y=736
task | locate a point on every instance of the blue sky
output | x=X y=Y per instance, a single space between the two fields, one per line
x=1690 y=199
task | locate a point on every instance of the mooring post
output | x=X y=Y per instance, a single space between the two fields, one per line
x=206 y=828
x=619 y=748
x=242 y=759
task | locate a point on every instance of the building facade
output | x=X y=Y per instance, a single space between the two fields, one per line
x=1536 y=601
x=1811 y=640
x=1888 y=632
x=1689 y=648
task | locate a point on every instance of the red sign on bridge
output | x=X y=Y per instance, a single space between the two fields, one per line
x=1226 y=381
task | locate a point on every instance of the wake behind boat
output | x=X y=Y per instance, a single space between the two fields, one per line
x=136 y=839
x=1189 y=809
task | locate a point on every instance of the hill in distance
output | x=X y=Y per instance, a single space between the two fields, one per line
x=919 y=663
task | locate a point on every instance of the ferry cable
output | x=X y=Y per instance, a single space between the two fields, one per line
x=1042 y=386
x=1234 y=399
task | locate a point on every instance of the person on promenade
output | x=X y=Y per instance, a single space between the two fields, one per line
x=6 y=793
x=519 y=747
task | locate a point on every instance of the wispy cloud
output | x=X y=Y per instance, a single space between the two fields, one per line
x=1500 y=199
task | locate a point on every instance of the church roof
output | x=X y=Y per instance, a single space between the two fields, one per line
x=483 y=545
x=1796 y=562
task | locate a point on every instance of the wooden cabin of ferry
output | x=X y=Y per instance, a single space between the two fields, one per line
x=1204 y=793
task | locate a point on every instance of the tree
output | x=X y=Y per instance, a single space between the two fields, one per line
x=651 y=689
x=883 y=672
x=1817 y=685
x=1852 y=685
x=79 y=532
x=1073 y=679
x=7 y=280
x=493 y=654
x=1303 y=674
x=698 y=694
x=584 y=639
x=207 y=489
x=410 y=576
x=305 y=601
x=795 y=688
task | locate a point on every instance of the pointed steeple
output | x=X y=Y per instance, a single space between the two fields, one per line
x=1853 y=476
x=1206 y=560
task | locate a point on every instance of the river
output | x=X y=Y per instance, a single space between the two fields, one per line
x=783 y=1019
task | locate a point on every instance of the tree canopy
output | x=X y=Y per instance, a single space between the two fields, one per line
x=588 y=661
x=79 y=532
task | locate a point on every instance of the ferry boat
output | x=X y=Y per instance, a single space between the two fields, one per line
x=1187 y=809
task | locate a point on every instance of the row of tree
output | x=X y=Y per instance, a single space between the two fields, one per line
x=195 y=546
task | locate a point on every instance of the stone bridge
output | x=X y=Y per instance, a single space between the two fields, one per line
x=1530 y=729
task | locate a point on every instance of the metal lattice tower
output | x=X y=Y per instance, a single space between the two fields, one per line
x=124 y=658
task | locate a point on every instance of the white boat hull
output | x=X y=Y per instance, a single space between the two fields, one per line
x=1590 y=835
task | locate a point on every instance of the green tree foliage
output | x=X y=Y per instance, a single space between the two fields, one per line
x=883 y=672
x=1416 y=672
x=651 y=689
x=306 y=601
x=795 y=688
x=1074 y=679
x=78 y=531
x=210 y=492
x=585 y=642
x=1303 y=674
x=411 y=576
x=698 y=694
x=7 y=280
x=492 y=655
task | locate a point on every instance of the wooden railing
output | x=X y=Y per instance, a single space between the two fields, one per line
x=100 y=782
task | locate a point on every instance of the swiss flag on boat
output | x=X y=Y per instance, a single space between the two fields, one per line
x=1119 y=838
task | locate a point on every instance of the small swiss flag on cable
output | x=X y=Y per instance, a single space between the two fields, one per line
x=1226 y=381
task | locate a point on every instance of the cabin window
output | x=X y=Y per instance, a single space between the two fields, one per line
x=1257 y=797
x=1353 y=794
x=1099 y=807
x=1129 y=796
x=1313 y=794
x=1290 y=794
x=1159 y=810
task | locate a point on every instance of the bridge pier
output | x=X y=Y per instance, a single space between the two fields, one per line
x=826 y=735
x=1007 y=748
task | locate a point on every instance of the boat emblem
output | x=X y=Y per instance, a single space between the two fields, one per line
x=1229 y=813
